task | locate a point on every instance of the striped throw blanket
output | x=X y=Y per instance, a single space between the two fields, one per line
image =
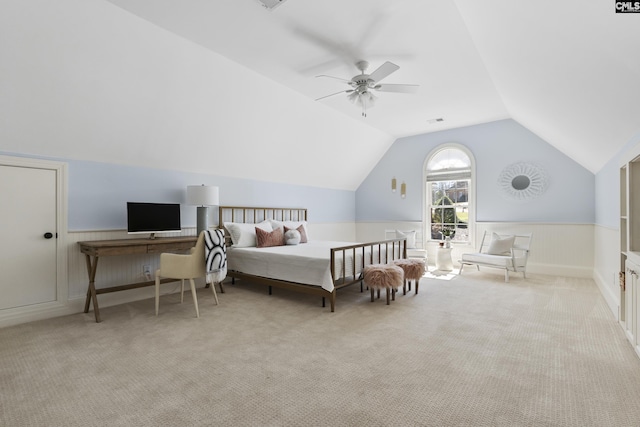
x=215 y=253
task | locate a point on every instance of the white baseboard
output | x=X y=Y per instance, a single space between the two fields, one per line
x=611 y=299
x=31 y=313
x=560 y=270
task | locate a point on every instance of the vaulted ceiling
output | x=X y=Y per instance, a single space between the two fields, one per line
x=568 y=71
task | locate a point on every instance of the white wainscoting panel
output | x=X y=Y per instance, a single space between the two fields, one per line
x=556 y=249
x=607 y=265
x=340 y=232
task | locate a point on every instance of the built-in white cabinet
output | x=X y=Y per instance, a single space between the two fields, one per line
x=630 y=246
x=632 y=303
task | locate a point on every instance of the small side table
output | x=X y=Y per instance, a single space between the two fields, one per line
x=443 y=259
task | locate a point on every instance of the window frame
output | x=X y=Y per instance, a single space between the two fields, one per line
x=426 y=195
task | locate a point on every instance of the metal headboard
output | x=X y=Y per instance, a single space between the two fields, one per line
x=254 y=214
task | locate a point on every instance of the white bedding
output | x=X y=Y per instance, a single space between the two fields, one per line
x=308 y=263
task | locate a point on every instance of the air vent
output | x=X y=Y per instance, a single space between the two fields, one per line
x=271 y=4
x=432 y=121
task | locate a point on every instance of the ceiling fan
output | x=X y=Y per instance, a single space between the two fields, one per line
x=363 y=85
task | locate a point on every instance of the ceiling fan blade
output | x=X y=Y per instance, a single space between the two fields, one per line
x=337 y=93
x=337 y=78
x=383 y=71
x=399 y=88
x=336 y=48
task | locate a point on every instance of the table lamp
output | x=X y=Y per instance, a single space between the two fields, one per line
x=202 y=196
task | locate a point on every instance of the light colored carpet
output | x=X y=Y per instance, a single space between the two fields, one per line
x=471 y=351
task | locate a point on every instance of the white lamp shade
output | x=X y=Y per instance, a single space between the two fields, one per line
x=203 y=195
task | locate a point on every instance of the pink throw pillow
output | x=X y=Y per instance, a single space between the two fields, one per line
x=265 y=239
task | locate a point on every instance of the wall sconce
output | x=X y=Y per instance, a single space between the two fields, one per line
x=403 y=190
x=393 y=184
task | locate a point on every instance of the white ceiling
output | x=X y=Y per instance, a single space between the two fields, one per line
x=569 y=71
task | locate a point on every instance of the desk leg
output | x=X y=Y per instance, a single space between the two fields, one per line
x=91 y=291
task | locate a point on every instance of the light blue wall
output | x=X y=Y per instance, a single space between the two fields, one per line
x=568 y=199
x=607 y=191
x=98 y=193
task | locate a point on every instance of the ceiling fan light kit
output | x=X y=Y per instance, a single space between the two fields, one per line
x=363 y=84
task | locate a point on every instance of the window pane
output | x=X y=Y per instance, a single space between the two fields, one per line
x=436 y=193
x=450 y=158
x=462 y=215
x=436 y=216
x=449 y=216
x=449 y=210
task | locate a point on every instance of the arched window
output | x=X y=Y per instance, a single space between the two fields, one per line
x=449 y=198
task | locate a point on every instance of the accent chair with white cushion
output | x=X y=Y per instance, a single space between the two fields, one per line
x=415 y=247
x=506 y=251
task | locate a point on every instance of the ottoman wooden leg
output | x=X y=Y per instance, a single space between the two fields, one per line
x=372 y=299
x=417 y=284
x=388 y=301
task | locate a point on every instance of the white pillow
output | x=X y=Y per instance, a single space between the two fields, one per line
x=244 y=235
x=290 y=224
x=292 y=237
x=500 y=245
x=410 y=235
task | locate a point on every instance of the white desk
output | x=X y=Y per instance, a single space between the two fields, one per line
x=443 y=259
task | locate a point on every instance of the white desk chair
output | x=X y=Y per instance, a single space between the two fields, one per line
x=184 y=266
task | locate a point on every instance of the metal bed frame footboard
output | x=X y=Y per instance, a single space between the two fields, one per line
x=363 y=254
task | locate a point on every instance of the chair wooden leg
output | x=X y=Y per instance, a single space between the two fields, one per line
x=215 y=296
x=195 y=297
x=157 y=292
x=221 y=288
x=506 y=275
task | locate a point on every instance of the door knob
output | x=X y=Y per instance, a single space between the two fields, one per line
x=48 y=235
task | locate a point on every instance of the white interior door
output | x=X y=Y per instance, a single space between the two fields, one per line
x=27 y=258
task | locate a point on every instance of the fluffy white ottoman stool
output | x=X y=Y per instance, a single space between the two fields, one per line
x=413 y=270
x=383 y=276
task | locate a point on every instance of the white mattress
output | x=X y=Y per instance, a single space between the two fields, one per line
x=307 y=263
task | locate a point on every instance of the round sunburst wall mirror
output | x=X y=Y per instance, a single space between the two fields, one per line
x=523 y=181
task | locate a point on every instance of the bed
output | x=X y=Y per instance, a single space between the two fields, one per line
x=316 y=267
